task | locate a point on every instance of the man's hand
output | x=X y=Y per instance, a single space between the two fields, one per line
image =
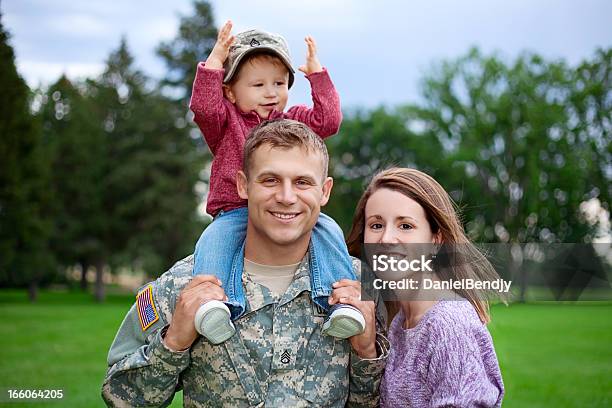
x=312 y=64
x=182 y=333
x=220 y=51
x=349 y=292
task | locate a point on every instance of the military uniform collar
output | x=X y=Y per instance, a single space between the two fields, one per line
x=259 y=296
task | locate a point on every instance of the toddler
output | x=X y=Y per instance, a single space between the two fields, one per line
x=244 y=81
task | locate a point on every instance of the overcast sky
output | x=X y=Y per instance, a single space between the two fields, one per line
x=376 y=51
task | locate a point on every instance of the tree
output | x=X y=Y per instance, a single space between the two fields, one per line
x=520 y=146
x=196 y=39
x=24 y=231
x=77 y=153
x=517 y=157
x=367 y=142
x=150 y=173
x=194 y=42
x=589 y=113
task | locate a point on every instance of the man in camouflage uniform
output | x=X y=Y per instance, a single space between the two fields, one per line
x=278 y=356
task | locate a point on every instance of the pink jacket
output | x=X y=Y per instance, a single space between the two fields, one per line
x=225 y=128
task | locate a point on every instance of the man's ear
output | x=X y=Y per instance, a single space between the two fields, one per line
x=229 y=94
x=327 y=188
x=241 y=185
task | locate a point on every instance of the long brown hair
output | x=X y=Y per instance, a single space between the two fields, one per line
x=442 y=215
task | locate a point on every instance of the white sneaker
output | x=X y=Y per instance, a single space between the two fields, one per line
x=344 y=321
x=212 y=320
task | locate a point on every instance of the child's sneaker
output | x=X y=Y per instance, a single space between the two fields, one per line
x=212 y=320
x=344 y=321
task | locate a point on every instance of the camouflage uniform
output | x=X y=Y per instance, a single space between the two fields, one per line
x=277 y=358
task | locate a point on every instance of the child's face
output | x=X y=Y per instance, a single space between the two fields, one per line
x=261 y=86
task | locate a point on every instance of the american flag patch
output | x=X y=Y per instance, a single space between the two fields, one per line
x=147 y=314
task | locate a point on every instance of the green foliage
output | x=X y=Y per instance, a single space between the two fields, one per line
x=123 y=171
x=196 y=39
x=520 y=146
x=25 y=256
x=75 y=145
x=369 y=141
x=151 y=168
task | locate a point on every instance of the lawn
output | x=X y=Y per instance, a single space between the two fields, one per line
x=555 y=355
x=59 y=343
x=551 y=355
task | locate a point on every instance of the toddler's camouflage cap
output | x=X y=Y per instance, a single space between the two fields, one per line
x=252 y=41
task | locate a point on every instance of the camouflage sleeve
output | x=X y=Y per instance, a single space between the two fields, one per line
x=147 y=377
x=142 y=370
x=366 y=374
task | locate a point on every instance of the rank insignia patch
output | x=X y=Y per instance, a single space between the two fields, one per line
x=147 y=314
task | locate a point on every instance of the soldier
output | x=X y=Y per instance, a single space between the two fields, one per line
x=278 y=356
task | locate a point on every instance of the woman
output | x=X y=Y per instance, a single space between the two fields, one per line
x=441 y=351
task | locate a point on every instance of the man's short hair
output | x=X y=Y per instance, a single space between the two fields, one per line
x=284 y=134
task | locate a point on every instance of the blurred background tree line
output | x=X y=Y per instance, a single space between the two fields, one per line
x=102 y=172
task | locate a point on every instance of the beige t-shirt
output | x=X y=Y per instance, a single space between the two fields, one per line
x=275 y=278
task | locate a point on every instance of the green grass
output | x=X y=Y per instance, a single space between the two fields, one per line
x=551 y=355
x=59 y=343
x=555 y=355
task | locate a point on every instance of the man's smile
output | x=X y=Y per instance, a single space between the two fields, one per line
x=285 y=216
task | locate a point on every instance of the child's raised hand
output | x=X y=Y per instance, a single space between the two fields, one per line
x=312 y=64
x=219 y=53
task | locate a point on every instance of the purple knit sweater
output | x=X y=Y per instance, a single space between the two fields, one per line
x=448 y=359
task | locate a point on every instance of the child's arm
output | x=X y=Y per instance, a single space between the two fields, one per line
x=312 y=64
x=207 y=96
x=325 y=117
x=220 y=51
